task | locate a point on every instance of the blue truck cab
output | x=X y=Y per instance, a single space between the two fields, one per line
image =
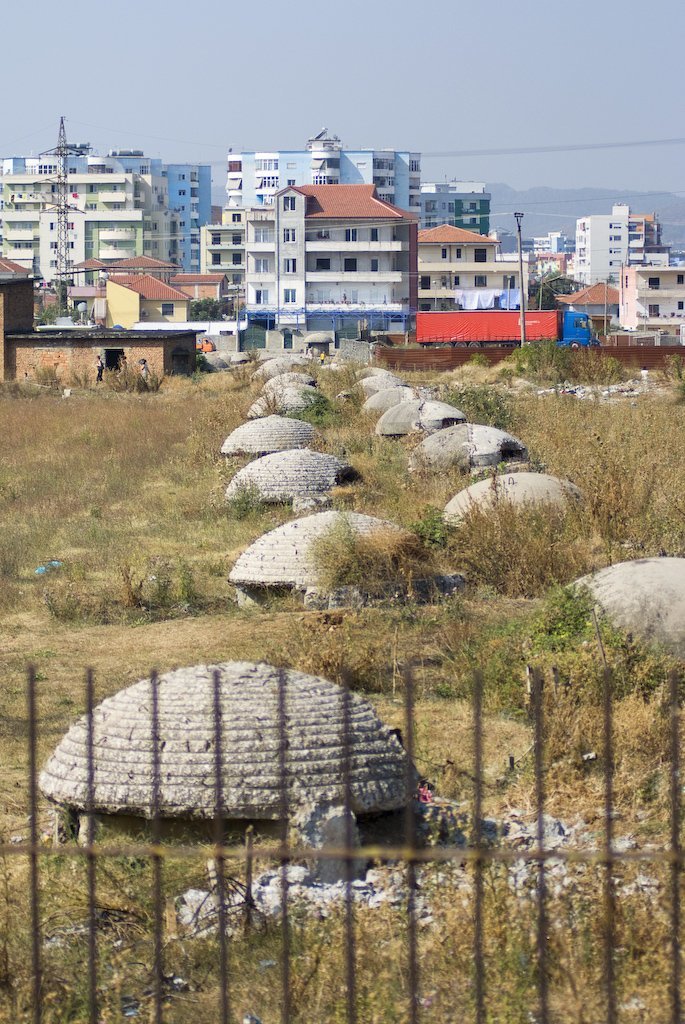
x=576 y=330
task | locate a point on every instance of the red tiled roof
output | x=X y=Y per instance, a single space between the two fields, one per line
x=446 y=233
x=349 y=202
x=197 y=278
x=144 y=262
x=92 y=264
x=595 y=295
x=10 y=267
x=149 y=287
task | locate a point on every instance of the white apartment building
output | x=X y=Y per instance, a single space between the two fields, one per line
x=606 y=243
x=255 y=178
x=652 y=298
x=114 y=214
x=330 y=257
x=459 y=269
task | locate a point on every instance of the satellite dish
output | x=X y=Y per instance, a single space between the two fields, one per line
x=82 y=307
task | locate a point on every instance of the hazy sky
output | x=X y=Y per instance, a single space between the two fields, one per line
x=186 y=81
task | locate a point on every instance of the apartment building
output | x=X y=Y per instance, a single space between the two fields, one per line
x=121 y=205
x=254 y=179
x=607 y=242
x=464 y=204
x=459 y=269
x=330 y=257
x=652 y=298
x=222 y=250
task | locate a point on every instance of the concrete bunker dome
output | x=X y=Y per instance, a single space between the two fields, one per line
x=517 y=488
x=268 y=434
x=645 y=596
x=418 y=415
x=380 y=381
x=467 y=445
x=381 y=401
x=282 y=380
x=251 y=724
x=283 y=557
x=286 y=400
x=279 y=364
x=283 y=476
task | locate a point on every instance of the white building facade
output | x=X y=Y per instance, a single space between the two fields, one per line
x=459 y=269
x=606 y=243
x=652 y=299
x=255 y=178
x=334 y=258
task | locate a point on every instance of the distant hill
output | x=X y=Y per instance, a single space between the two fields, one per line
x=557 y=209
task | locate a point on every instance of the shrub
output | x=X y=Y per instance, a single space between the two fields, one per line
x=319 y=411
x=520 y=550
x=373 y=561
x=482 y=404
x=431 y=529
x=245 y=504
x=478 y=359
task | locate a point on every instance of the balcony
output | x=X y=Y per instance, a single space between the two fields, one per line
x=111 y=252
x=655 y=295
x=352 y=276
x=117 y=234
x=338 y=245
x=18 y=234
x=111 y=197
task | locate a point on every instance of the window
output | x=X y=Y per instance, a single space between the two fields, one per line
x=181 y=191
x=456 y=280
x=480 y=255
x=681 y=305
x=323 y=263
x=680 y=279
x=216 y=259
x=236 y=218
x=261 y=296
x=216 y=239
x=374 y=234
x=425 y=282
x=653 y=282
x=480 y=281
x=350 y=264
x=653 y=309
x=288 y=202
x=261 y=265
x=289 y=295
x=444 y=254
x=374 y=266
x=235 y=166
x=289 y=235
x=290 y=266
x=236 y=279
x=414 y=165
x=263 y=235
x=167 y=309
x=181 y=177
x=350 y=234
x=236 y=260
x=291 y=181
x=457 y=254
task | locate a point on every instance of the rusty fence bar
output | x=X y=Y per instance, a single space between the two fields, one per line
x=478 y=858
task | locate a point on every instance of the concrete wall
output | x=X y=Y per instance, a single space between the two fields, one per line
x=16 y=314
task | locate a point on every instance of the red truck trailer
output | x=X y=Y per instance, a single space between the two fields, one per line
x=496 y=326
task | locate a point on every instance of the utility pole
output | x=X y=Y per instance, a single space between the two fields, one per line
x=62 y=207
x=522 y=307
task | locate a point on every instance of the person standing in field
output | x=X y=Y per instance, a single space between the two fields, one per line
x=99 y=366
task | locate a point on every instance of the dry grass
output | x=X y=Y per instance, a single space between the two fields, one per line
x=375 y=562
x=123 y=488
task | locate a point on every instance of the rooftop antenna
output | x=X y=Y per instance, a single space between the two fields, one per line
x=62 y=206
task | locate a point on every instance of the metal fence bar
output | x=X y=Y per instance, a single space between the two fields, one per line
x=477 y=840
x=541 y=888
x=410 y=842
x=219 y=859
x=91 y=856
x=284 y=814
x=34 y=879
x=350 y=936
x=609 y=938
x=158 y=965
x=676 y=848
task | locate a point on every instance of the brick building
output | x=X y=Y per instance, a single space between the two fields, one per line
x=24 y=353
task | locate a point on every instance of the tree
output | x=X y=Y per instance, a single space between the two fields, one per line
x=206 y=309
x=542 y=294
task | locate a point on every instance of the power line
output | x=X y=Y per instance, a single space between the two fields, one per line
x=573 y=147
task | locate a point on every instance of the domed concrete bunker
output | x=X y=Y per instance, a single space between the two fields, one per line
x=268 y=434
x=517 y=488
x=467 y=445
x=282 y=476
x=418 y=416
x=260 y=707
